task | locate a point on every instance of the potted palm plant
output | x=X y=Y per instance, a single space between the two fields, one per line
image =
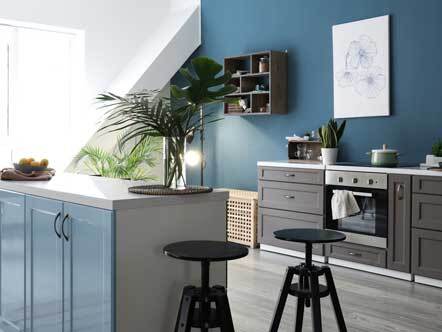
x=330 y=134
x=178 y=118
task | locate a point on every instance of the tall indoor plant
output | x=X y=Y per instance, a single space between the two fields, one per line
x=330 y=134
x=204 y=87
x=146 y=114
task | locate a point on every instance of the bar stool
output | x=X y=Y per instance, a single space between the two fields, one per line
x=205 y=317
x=308 y=288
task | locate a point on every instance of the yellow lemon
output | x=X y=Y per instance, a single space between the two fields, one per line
x=35 y=163
x=44 y=162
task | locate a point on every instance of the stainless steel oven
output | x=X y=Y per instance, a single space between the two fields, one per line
x=370 y=226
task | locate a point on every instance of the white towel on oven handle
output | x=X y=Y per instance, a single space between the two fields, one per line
x=343 y=204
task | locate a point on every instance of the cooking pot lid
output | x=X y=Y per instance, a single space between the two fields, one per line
x=384 y=150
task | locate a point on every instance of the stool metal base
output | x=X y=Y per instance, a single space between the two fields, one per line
x=308 y=290
x=204 y=317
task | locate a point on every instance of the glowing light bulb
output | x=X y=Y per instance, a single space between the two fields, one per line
x=192 y=158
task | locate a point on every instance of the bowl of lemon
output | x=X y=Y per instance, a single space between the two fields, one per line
x=29 y=165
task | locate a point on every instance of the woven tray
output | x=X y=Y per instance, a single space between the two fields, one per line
x=162 y=190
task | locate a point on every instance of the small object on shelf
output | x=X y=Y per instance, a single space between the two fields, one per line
x=241 y=72
x=264 y=64
x=307 y=136
x=263 y=109
x=244 y=104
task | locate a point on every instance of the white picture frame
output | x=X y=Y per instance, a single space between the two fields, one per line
x=361 y=68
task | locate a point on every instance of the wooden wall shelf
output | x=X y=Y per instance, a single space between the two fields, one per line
x=271 y=100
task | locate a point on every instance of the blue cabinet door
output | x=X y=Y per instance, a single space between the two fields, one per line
x=12 y=258
x=88 y=259
x=44 y=265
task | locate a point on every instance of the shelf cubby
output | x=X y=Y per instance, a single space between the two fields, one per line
x=271 y=98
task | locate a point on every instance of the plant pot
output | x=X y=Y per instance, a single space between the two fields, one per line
x=329 y=156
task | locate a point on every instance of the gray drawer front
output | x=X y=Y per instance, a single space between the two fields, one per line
x=426 y=248
x=427 y=211
x=272 y=220
x=291 y=196
x=427 y=185
x=295 y=175
x=358 y=253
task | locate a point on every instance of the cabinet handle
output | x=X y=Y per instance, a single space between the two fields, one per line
x=55 y=224
x=400 y=192
x=289 y=196
x=66 y=217
x=290 y=175
x=356 y=254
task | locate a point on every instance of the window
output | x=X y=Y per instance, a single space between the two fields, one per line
x=39 y=77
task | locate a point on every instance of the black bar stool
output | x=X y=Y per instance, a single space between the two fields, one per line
x=308 y=288
x=205 y=317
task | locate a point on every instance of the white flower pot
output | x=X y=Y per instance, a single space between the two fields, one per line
x=329 y=156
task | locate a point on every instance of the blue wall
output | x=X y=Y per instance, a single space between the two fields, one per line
x=304 y=27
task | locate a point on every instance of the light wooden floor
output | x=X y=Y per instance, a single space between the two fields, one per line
x=371 y=303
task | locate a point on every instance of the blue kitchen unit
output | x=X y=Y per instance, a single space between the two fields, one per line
x=89 y=258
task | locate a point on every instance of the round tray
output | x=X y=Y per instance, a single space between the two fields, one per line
x=163 y=190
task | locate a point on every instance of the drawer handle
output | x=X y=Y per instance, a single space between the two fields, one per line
x=289 y=196
x=355 y=254
x=290 y=175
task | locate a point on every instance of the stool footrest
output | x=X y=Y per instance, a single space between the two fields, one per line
x=295 y=290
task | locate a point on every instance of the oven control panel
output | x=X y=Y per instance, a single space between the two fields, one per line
x=356 y=179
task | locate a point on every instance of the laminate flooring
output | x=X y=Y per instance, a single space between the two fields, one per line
x=370 y=302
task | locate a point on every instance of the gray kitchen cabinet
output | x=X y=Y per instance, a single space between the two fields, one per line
x=289 y=198
x=270 y=220
x=296 y=197
x=399 y=222
x=427 y=211
x=426 y=260
x=357 y=253
x=12 y=258
x=306 y=176
x=427 y=185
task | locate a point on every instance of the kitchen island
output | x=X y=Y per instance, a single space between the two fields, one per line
x=81 y=253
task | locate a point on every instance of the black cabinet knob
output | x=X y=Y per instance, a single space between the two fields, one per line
x=340 y=179
x=355 y=180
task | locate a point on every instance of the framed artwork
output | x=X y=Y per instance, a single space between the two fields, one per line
x=361 y=68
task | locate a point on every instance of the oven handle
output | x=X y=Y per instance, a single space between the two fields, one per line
x=358 y=193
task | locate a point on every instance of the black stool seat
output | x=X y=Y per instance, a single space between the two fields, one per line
x=309 y=235
x=212 y=251
x=204 y=316
x=308 y=289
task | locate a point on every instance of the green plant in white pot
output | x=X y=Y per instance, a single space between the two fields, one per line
x=330 y=134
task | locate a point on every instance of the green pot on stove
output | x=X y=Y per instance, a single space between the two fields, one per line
x=384 y=157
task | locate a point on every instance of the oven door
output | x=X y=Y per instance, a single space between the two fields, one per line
x=369 y=226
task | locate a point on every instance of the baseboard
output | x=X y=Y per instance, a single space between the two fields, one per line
x=288 y=252
x=428 y=281
x=372 y=269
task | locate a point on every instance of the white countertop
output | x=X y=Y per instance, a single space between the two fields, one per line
x=386 y=170
x=105 y=193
